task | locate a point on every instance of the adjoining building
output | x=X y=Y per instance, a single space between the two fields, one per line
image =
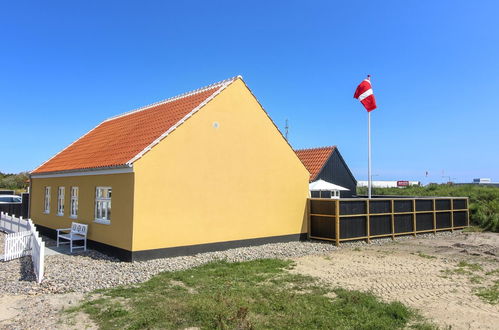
x=326 y=163
x=202 y=171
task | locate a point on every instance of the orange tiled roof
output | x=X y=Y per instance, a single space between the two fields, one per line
x=314 y=159
x=118 y=141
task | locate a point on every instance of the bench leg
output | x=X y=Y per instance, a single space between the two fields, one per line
x=57 y=240
x=71 y=246
x=85 y=244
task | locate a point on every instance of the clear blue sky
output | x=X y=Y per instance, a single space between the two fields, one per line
x=67 y=65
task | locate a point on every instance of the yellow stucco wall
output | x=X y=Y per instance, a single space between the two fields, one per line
x=118 y=233
x=203 y=184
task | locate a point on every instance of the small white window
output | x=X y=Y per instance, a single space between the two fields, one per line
x=103 y=205
x=60 y=201
x=73 y=212
x=46 y=204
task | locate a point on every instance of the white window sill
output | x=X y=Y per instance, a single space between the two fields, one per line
x=103 y=221
x=73 y=217
x=60 y=214
x=46 y=212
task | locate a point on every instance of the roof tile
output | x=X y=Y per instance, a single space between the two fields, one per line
x=314 y=159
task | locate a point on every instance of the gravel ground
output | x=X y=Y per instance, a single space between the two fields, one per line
x=90 y=270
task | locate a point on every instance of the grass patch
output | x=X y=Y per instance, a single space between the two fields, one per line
x=489 y=294
x=423 y=255
x=473 y=229
x=472 y=267
x=246 y=295
x=494 y=272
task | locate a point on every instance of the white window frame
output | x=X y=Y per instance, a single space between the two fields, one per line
x=103 y=205
x=73 y=208
x=46 y=201
x=61 y=192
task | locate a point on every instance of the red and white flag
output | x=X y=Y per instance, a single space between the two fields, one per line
x=364 y=93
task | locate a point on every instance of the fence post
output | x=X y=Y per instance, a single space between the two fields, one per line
x=451 y=214
x=392 y=202
x=414 y=216
x=434 y=217
x=368 y=222
x=309 y=218
x=468 y=210
x=337 y=222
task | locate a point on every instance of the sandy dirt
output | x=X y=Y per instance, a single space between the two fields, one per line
x=420 y=273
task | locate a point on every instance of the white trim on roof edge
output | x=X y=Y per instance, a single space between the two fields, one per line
x=177 y=97
x=222 y=84
x=120 y=170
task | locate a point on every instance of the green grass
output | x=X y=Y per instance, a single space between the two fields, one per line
x=489 y=294
x=423 y=255
x=248 y=295
x=484 y=201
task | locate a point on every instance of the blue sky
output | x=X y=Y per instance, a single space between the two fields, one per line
x=67 y=65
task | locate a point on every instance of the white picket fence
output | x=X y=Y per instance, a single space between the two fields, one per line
x=23 y=240
x=11 y=224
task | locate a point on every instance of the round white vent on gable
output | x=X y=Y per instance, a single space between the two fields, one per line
x=216 y=124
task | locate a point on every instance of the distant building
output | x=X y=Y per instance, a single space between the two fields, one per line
x=326 y=163
x=389 y=184
x=482 y=180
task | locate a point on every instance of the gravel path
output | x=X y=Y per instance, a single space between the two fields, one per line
x=90 y=270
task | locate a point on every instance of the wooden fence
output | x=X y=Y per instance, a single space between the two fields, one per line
x=361 y=218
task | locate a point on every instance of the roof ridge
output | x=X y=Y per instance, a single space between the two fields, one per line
x=317 y=148
x=175 y=98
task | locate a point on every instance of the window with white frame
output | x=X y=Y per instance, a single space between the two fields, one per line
x=46 y=204
x=103 y=205
x=73 y=212
x=60 y=201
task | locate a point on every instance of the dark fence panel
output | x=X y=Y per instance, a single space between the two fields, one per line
x=424 y=205
x=12 y=209
x=322 y=207
x=424 y=221
x=443 y=220
x=322 y=227
x=403 y=223
x=380 y=225
x=460 y=218
x=363 y=218
x=380 y=207
x=402 y=206
x=352 y=207
x=353 y=227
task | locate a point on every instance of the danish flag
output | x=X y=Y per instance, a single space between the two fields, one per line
x=364 y=93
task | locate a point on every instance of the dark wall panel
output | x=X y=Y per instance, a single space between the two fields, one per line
x=336 y=171
x=353 y=227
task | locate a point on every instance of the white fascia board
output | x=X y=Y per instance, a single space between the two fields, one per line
x=120 y=170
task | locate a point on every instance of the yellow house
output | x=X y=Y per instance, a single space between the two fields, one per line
x=203 y=171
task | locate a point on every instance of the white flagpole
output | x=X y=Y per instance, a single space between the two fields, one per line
x=369 y=176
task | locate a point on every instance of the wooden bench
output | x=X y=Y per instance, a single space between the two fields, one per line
x=77 y=232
